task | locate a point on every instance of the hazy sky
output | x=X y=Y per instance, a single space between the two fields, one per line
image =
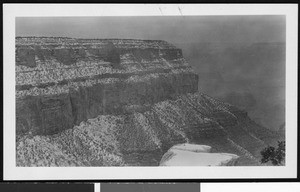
x=175 y=29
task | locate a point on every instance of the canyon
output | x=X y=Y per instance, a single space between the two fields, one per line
x=119 y=102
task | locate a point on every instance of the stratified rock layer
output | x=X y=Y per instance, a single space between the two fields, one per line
x=92 y=143
x=90 y=102
x=61 y=82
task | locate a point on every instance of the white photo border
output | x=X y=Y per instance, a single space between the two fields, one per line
x=11 y=172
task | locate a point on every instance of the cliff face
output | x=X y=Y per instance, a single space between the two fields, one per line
x=61 y=82
x=88 y=102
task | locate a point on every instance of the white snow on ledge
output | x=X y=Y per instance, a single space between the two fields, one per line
x=196 y=155
x=192 y=147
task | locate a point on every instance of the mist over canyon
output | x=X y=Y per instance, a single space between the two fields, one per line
x=250 y=76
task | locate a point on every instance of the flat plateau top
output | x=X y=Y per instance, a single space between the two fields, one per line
x=119 y=43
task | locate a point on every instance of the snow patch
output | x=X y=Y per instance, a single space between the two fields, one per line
x=193 y=147
x=196 y=155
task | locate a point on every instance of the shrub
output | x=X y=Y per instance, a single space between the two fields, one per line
x=275 y=156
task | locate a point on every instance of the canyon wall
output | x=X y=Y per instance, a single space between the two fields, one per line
x=61 y=82
x=115 y=102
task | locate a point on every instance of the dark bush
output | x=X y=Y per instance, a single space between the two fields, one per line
x=275 y=156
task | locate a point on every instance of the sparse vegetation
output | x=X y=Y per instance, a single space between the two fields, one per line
x=274 y=155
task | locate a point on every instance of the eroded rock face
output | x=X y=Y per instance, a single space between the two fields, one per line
x=80 y=79
x=92 y=143
x=196 y=155
x=114 y=102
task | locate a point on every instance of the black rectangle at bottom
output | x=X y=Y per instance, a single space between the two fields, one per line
x=46 y=187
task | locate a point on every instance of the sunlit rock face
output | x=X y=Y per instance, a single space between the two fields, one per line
x=118 y=102
x=196 y=155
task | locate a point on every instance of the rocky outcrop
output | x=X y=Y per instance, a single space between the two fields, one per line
x=92 y=143
x=61 y=82
x=112 y=102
